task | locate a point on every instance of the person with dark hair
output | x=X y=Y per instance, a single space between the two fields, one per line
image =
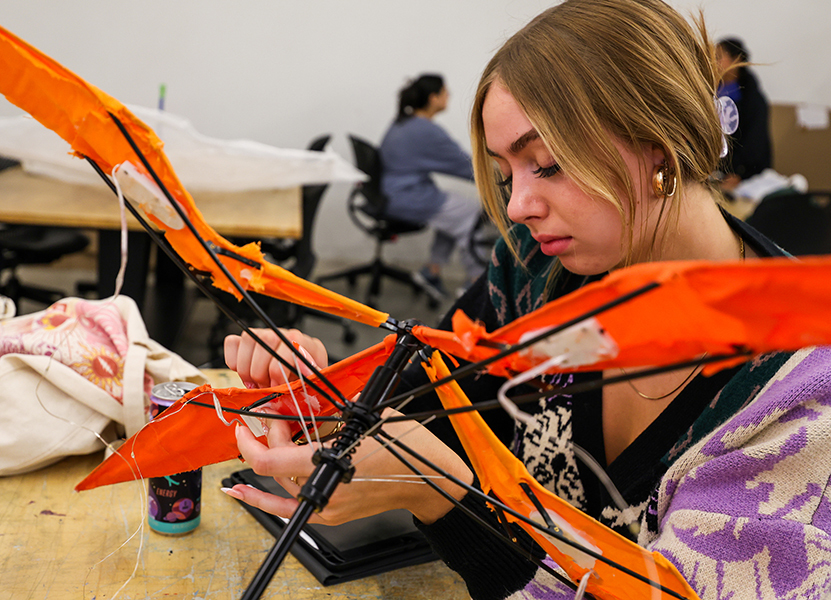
x=750 y=149
x=413 y=148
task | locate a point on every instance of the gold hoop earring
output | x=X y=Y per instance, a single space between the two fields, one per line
x=664 y=181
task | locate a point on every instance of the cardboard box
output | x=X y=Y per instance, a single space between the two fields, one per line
x=800 y=149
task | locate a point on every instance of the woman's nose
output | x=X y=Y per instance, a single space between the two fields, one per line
x=524 y=205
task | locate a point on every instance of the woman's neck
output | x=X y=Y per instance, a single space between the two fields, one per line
x=700 y=233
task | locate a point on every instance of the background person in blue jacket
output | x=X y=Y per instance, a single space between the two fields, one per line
x=413 y=148
x=750 y=147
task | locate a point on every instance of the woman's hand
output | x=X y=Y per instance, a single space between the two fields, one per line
x=365 y=495
x=258 y=369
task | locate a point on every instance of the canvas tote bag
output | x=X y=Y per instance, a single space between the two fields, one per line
x=74 y=371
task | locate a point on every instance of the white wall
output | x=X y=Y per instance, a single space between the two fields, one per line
x=281 y=72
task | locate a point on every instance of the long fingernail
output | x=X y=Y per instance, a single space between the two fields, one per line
x=307 y=356
x=231 y=492
x=306 y=371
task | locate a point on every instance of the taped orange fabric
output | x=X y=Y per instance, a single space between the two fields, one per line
x=501 y=473
x=80 y=114
x=187 y=436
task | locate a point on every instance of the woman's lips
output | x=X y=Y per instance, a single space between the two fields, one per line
x=553 y=246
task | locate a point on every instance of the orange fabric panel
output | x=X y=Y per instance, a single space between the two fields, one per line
x=80 y=114
x=186 y=436
x=699 y=307
x=500 y=473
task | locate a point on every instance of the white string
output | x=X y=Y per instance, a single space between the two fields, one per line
x=296 y=403
x=402 y=476
x=305 y=391
x=410 y=479
x=584 y=583
x=387 y=443
x=142 y=489
x=218 y=409
x=607 y=482
x=508 y=405
x=119 y=279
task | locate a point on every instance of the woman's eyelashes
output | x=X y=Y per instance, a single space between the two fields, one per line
x=540 y=172
x=547 y=171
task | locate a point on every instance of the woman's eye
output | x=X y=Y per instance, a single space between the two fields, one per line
x=547 y=171
x=541 y=172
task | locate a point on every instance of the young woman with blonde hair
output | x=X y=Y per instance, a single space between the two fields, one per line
x=595 y=130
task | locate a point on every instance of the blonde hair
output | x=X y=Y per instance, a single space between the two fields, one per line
x=588 y=71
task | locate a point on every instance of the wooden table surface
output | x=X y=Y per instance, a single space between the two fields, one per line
x=33 y=200
x=56 y=543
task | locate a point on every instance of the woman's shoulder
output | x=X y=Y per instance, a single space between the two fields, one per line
x=414 y=130
x=770 y=391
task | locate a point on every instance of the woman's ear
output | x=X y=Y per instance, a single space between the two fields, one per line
x=664 y=175
x=659 y=155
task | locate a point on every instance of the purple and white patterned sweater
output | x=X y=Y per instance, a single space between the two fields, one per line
x=745 y=512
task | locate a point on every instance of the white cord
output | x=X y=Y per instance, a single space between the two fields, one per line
x=508 y=405
x=584 y=583
x=119 y=279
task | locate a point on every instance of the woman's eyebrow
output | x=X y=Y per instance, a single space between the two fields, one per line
x=519 y=143
x=523 y=140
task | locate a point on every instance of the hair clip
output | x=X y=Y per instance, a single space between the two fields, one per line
x=728 y=116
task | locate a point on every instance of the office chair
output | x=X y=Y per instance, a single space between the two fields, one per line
x=295 y=255
x=367 y=205
x=33 y=245
x=299 y=252
x=29 y=245
x=799 y=223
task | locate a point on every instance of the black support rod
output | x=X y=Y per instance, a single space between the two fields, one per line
x=334 y=464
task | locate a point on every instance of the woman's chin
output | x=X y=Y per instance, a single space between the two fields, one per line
x=583 y=267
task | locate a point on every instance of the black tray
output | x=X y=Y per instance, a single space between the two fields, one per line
x=334 y=554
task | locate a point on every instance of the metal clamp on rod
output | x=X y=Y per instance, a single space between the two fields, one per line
x=334 y=465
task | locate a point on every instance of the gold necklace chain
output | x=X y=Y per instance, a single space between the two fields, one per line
x=692 y=373
x=669 y=393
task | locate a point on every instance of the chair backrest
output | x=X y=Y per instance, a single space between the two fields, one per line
x=312 y=195
x=300 y=251
x=368 y=160
x=319 y=144
x=799 y=223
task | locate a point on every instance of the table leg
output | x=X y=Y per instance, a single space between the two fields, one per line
x=109 y=261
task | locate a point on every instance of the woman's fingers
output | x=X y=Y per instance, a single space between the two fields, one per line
x=281 y=458
x=230 y=348
x=256 y=365
x=270 y=503
x=380 y=481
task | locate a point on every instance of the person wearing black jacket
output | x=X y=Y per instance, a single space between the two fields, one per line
x=749 y=147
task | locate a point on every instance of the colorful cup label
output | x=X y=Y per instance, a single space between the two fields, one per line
x=174 y=502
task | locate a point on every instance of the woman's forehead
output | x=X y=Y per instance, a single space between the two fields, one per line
x=506 y=124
